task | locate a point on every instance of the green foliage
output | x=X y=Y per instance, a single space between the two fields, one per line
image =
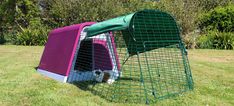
x=208 y=5
x=2 y=39
x=29 y=37
x=57 y=13
x=7 y=13
x=206 y=41
x=184 y=11
x=224 y=41
x=36 y=34
x=218 y=28
x=10 y=36
x=216 y=40
x=221 y=19
x=190 y=39
x=6 y=18
x=136 y=5
x=26 y=10
x=67 y=12
x=21 y=22
x=17 y=15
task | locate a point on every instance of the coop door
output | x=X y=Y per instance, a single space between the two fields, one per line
x=94 y=53
x=84 y=61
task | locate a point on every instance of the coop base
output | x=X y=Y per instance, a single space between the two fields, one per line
x=80 y=76
x=74 y=75
x=57 y=77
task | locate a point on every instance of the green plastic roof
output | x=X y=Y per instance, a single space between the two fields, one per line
x=119 y=23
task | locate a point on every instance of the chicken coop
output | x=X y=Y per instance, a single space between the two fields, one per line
x=136 y=58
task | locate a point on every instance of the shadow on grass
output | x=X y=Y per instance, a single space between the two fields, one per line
x=36 y=68
x=110 y=92
x=90 y=85
x=85 y=85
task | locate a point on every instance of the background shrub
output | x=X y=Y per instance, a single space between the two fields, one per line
x=2 y=39
x=31 y=37
x=224 y=40
x=217 y=27
x=206 y=40
x=185 y=13
x=216 y=40
x=35 y=34
x=221 y=19
x=19 y=18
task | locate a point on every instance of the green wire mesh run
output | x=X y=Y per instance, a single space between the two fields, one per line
x=153 y=61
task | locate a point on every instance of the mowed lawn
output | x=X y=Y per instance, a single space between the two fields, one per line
x=20 y=84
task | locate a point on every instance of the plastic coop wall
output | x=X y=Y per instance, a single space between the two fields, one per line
x=63 y=45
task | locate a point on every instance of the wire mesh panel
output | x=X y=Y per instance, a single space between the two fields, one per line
x=143 y=64
x=161 y=54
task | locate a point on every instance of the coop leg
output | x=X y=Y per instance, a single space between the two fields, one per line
x=142 y=79
x=151 y=80
x=186 y=67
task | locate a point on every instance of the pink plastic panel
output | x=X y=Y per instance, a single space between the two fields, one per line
x=60 y=49
x=101 y=55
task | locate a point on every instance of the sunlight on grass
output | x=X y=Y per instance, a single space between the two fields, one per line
x=20 y=84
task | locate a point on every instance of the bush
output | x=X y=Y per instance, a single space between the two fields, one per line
x=224 y=41
x=190 y=39
x=205 y=40
x=218 y=28
x=211 y=4
x=32 y=37
x=216 y=40
x=35 y=34
x=221 y=19
x=59 y=13
x=185 y=12
x=10 y=36
x=2 y=39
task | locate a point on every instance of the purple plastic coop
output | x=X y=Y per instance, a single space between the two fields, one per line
x=70 y=56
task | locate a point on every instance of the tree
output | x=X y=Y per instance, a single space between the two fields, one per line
x=66 y=12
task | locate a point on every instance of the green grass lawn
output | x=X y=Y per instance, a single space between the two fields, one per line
x=20 y=84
